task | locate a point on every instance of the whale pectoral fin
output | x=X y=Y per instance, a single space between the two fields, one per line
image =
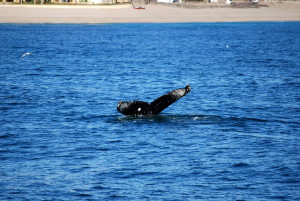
x=166 y=100
x=134 y=108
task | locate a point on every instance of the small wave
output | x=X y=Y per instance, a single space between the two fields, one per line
x=201 y=119
x=247 y=119
x=100 y=187
x=32 y=74
x=240 y=165
x=5 y=136
x=88 y=117
x=82 y=195
x=166 y=118
x=117 y=197
x=288 y=181
x=5 y=108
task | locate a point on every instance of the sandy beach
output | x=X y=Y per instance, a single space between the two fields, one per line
x=124 y=13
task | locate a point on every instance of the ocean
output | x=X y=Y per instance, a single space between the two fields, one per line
x=235 y=136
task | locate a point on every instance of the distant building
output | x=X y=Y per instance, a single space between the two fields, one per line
x=168 y=1
x=102 y=1
x=107 y=1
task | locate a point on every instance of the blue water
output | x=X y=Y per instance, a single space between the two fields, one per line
x=235 y=136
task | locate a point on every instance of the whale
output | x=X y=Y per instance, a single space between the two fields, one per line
x=141 y=108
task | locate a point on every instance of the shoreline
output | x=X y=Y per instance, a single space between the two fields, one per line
x=124 y=13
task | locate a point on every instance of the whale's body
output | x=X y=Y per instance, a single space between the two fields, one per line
x=140 y=108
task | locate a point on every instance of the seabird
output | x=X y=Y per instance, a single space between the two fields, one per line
x=26 y=54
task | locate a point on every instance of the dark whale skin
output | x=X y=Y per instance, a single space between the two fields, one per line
x=141 y=108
